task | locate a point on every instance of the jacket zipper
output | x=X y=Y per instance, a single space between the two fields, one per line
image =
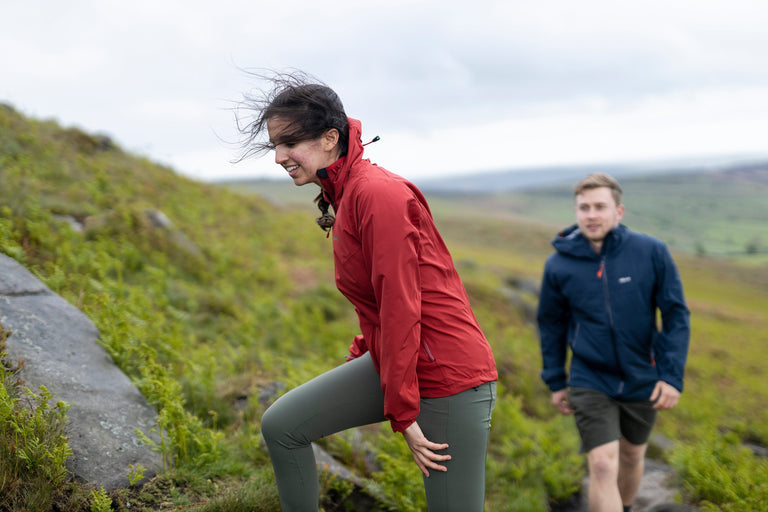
x=603 y=276
x=429 y=352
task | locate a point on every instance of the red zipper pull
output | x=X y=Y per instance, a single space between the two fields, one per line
x=600 y=270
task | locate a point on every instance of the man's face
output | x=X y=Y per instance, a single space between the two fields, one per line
x=597 y=213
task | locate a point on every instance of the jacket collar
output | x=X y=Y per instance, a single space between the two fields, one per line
x=570 y=241
x=334 y=177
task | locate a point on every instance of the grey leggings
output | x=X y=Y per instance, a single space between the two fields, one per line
x=350 y=395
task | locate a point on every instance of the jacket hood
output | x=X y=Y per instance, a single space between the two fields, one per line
x=335 y=175
x=571 y=242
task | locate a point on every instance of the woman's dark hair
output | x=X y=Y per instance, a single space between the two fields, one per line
x=310 y=107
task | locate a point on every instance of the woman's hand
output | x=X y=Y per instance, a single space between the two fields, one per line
x=422 y=450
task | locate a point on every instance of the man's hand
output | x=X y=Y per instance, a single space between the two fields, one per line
x=421 y=448
x=665 y=396
x=560 y=400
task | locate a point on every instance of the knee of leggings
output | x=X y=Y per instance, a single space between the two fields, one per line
x=271 y=426
x=277 y=427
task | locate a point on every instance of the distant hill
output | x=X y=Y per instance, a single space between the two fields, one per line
x=710 y=212
x=537 y=177
x=714 y=207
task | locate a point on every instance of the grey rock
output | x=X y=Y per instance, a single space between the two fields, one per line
x=655 y=488
x=760 y=451
x=325 y=462
x=268 y=393
x=159 y=220
x=58 y=344
x=523 y=293
x=522 y=302
x=70 y=221
x=525 y=285
x=364 y=496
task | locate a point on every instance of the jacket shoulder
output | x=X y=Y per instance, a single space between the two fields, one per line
x=558 y=263
x=641 y=243
x=372 y=183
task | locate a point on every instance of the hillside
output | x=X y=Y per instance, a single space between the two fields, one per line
x=211 y=329
x=707 y=211
x=515 y=180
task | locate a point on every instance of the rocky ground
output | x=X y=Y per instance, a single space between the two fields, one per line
x=657 y=492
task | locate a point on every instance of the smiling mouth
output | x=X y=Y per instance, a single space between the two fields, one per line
x=292 y=169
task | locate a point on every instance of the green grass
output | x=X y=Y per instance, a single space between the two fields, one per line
x=33 y=444
x=203 y=330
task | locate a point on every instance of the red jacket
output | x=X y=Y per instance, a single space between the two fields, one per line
x=392 y=264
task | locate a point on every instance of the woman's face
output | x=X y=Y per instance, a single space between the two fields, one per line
x=302 y=159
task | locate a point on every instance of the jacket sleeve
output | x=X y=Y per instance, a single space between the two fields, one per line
x=357 y=348
x=389 y=229
x=553 y=319
x=670 y=345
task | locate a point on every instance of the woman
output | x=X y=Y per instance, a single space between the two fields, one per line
x=422 y=361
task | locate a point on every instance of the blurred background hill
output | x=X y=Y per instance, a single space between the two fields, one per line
x=713 y=207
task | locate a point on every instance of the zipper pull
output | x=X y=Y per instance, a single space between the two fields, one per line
x=600 y=270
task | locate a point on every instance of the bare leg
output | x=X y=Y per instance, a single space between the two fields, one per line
x=631 y=467
x=603 y=464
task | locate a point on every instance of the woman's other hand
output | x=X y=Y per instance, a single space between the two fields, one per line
x=423 y=450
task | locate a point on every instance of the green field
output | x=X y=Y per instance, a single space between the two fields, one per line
x=202 y=333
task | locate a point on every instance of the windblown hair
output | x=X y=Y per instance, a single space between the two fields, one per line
x=597 y=180
x=310 y=107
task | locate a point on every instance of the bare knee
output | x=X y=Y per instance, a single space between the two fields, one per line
x=604 y=469
x=631 y=455
x=604 y=463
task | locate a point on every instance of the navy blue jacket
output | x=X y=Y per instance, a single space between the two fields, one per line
x=603 y=306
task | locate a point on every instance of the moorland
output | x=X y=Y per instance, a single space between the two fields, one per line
x=202 y=333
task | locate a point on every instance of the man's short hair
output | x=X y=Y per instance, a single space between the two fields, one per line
x=597 y=180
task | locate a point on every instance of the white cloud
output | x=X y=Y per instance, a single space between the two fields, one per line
x=450 y=86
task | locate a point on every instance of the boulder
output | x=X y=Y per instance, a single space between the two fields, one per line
x=58 y=344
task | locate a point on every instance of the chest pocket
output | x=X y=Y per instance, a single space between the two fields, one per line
x=628 y=295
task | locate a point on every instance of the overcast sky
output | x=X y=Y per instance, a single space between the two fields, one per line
x=451 y=87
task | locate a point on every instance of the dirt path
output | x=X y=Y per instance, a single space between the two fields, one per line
x=656 y=493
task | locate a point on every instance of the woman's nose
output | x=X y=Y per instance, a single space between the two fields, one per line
x=280 y=155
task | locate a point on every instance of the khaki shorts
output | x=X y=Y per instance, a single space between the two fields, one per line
x=601 y=419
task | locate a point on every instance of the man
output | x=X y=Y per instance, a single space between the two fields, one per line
x=600 y=293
